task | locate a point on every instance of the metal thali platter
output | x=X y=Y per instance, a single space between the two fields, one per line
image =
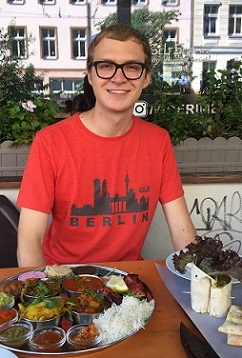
x=102 y=272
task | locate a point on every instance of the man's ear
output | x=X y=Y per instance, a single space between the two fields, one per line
x=89 y=76
x=147 y=80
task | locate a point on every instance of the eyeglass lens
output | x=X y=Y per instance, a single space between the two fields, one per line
x=107 y=70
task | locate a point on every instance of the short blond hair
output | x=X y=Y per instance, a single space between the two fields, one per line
x=121 y=32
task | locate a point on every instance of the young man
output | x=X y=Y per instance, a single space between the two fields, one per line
x=101 y=173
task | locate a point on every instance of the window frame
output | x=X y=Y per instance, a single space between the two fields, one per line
x=171 y=39
x=47 y=2
x=16 y=2
x=49 y=39
x=235 y=17
x=109 y=2
x=66 y=93
x=170 y=3
x=210 y=16
x=18 y=39
x=78 y=2
x=79 y=40
x=140 y=2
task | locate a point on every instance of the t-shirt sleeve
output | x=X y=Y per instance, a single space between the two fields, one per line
x=171 y=186
x=37 y=187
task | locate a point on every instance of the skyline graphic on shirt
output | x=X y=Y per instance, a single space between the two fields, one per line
x=104 y=203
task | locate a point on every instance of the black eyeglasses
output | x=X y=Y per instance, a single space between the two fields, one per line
x=130 y=70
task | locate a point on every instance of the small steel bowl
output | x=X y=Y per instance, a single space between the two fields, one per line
x=55 y=321
x=28 y=297
x=16 y=334
x=39 y=343
x=56 y=271
x=13 y=316
x=78 y=317
x=78 y=345
x=74 y=285
x=85 y=269
x=7 y=300
x=31 y=274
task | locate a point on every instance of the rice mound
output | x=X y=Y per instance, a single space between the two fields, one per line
x=120 y=321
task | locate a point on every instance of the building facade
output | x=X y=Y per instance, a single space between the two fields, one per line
x=217 y=37
x=62 y=29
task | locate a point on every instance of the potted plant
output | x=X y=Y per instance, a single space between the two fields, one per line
x=210 y=139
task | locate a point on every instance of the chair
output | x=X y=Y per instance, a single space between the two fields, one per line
x=9 y=218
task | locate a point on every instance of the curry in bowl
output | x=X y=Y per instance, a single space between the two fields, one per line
x=76 y=284
x=36 y=287
x=89 y=302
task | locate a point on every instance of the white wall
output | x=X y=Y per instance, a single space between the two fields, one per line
x=216 y=210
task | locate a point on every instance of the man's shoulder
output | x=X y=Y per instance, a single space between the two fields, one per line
x=150 y=127
x=64 y=124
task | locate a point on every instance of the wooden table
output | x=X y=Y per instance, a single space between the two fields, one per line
x=160 y=338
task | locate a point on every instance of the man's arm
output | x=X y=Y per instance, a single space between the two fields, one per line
x=179 y=222
x=31 y=231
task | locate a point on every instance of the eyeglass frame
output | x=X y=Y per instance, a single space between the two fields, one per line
x=121 y=66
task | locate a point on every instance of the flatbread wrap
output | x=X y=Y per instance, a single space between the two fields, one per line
x=234 y=340
x=231 y=328
x=235 y=314
x=220 y=296
x=200 y=289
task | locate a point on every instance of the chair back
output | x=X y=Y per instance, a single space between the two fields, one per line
x=9 y=218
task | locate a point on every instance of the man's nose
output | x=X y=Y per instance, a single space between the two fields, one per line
x=119 y=76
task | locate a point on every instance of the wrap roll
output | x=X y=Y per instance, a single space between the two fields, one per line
x=210 y=294
x=200 y=289
x=220 y=296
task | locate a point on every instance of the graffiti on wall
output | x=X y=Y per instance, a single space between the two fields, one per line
x=220 y=219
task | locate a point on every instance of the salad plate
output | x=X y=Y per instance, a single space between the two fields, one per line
x=143 y=304
x=187 y=274
x=170 y=266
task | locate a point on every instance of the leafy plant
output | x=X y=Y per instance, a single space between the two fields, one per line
x=17 y=86
x=20 y=125
x=221 y=91
x=151 y=24
x=16 y=82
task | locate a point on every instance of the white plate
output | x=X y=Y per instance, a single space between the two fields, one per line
x=170 y=266
x=187 y=274
x=5 y=353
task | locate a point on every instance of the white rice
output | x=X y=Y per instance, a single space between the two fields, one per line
x=120 y=321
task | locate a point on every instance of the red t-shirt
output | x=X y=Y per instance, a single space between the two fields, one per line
x=102 y=192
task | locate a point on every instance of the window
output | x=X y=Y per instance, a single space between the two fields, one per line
x=66 y=86
x=78 y=43
x=207 y=67
x=47 y=2
x=18 y=45
x=170 y=2
x=170 y=35
x=16 y=2
x=235 y=16
x=140 y=2
x=77 y=2
x=38 y=87
x=109 y=2
x=48 y=38
x=170 y=43
x=210 y=20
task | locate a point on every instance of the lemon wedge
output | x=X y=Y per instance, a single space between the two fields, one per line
x=117 y=284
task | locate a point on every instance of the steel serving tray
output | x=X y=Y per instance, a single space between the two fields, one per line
x=102 y=271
